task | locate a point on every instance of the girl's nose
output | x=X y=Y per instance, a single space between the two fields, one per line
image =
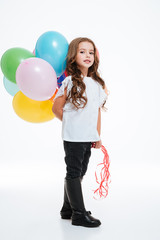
x=87 y=55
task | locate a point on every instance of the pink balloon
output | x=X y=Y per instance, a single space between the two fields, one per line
x=36 y=78
x=34 y=52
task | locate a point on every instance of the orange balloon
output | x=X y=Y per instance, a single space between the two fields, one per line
x=52 y=98
x=31 y=110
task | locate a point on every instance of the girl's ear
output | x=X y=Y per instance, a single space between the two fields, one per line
x=73 y=60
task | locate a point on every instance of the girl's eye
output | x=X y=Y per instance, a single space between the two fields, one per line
x=92 y=53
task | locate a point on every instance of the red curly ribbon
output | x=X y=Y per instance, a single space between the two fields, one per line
x=103 y=180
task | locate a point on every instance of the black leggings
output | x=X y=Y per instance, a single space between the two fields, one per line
x=77 y=156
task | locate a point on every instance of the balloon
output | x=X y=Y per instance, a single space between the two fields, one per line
x=36 y=79
x=33 y=52
x=52 y=98
x=53 y=47
x=31 y=110
x=10 y=61
x=61 y=78
x=10 y=87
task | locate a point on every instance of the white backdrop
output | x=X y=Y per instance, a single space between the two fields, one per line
x=127 y=36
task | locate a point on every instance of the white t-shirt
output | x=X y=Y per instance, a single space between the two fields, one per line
x=80 y=125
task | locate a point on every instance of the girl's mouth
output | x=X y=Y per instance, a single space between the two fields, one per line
x=87 y=61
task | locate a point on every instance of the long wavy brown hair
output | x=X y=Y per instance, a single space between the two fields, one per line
x=76 y=94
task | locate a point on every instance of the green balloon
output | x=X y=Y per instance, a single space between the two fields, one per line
x=11 y=59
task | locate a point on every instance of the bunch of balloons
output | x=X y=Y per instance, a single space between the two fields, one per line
x=31 y=77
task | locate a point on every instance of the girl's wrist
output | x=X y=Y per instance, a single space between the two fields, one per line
x=97 y=144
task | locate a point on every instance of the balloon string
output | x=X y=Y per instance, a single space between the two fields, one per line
x=103 y=182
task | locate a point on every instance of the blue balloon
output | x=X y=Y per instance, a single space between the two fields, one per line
x=10 y=86
x=61 y=78
x=53 y=48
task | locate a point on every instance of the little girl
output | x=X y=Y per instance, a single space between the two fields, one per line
x=78 y=105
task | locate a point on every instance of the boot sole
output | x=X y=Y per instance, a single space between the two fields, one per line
x=66 y=217
x=86 y=225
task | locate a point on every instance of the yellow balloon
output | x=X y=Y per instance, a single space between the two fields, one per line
x=32 y=110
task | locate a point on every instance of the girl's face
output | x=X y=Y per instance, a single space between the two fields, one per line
x=85 y=56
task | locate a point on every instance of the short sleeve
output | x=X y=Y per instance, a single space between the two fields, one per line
x=67 y=82
x=102 y=96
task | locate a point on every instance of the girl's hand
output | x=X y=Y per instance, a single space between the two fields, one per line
x=98 y=144
x=58 y=105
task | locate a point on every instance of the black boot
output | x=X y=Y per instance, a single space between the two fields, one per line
x=66 y=211
x=80 y=216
